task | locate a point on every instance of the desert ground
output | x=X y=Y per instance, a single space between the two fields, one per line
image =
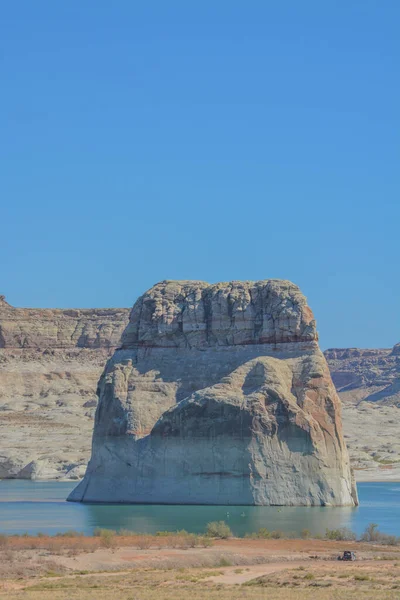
x=180 y=566
x=371 y=432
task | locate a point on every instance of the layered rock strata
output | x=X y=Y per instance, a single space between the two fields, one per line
x=219 y=394
x=50 y=362
x=60 y=329
x=368 y=382
x=370 y=374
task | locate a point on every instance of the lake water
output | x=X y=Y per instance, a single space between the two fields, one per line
x=40 y=506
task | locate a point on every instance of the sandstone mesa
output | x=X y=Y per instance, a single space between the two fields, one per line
x=219 y=394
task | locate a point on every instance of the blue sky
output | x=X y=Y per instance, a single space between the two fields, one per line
x=143 y=141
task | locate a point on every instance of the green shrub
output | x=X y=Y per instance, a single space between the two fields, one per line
x=372 y=534
x=305 y=534
x=98 y=532
x=125 y=532
x=144 y=542
x=341 y=534
x=192 y=540
x=392 y=540
x=263 y=533
x=218 y=529
x=69 y=533
x=224 y=562
x=107 y=536
x=276 y=535
x=206 y=542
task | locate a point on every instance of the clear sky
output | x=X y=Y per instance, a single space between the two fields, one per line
x=214 y=140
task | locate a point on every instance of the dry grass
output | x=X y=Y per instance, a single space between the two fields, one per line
x=344 y=577
x=103 y=538
x=59 y=568
x=151 y=584
x=73 y=543
x=129 y=566
x=14 y=565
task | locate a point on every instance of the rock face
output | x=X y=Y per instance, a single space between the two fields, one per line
x=50 y=362
x=219 y=394
x=48 y=329
x=371 y=375
x=368 y=382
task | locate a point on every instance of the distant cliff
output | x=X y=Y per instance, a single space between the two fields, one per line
x=50 y=361
x=48 y=328
x=368 y=382
x=372 y=375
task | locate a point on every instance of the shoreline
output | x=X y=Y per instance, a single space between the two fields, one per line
x=365 y=479
x=149 y=567
x=373 y=480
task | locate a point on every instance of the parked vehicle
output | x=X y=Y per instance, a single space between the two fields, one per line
x=347 y=555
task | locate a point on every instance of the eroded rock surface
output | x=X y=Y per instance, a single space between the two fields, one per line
x=50 y=362
x=219 y=394
x=368 y=382
x=371 y=375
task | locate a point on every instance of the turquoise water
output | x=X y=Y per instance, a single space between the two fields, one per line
x=33 y=506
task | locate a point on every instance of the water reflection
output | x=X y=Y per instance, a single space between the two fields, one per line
x=41 y=506
x=241 y=519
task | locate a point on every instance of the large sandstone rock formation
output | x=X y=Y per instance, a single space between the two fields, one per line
x=50 y=362
x=219 y=394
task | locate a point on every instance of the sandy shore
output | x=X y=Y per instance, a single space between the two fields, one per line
x=64 y=568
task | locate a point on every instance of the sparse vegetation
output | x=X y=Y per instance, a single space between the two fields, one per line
x=341 y=534
x=74 y=541
x=219 y=529
x=224 y=562
x=372 y=534
x=385 y=461
x=107 y=538
x=144 y=542
x=277 y=535
x=177 y=576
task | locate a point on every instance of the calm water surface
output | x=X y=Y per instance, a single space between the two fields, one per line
x=33 y=506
